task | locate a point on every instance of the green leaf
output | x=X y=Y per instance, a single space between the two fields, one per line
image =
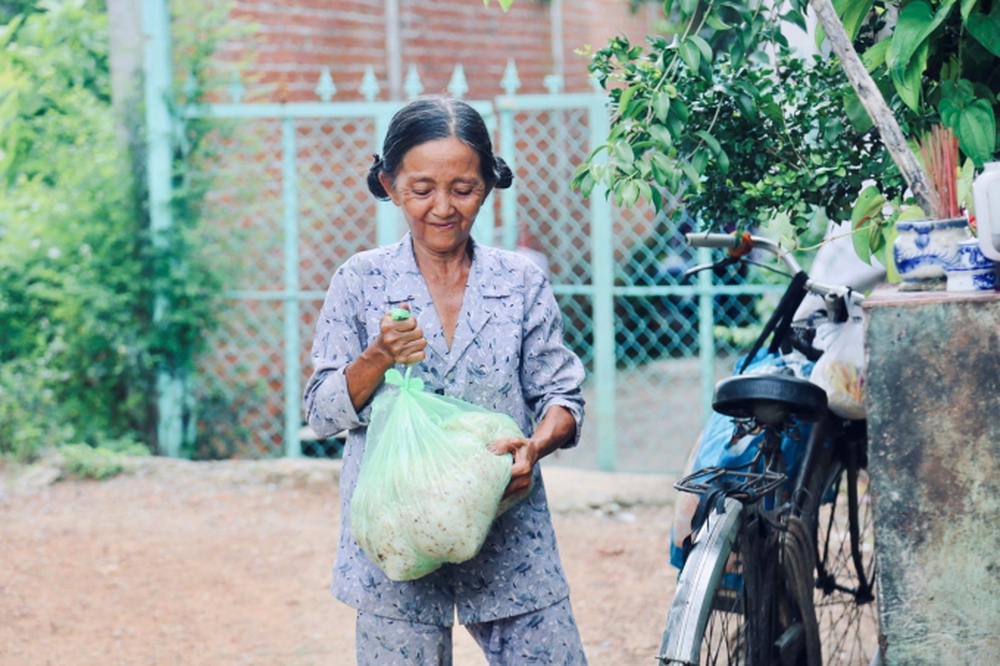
x=857 y=113
x=661 y=106
x=645 y=191
x=853 y=14
x=661 y=135
x=586 y=185
x=875 y=238
x=986 y=28
x=869 y=203
x=504 y=4
x=710 y=141
x=630 y=193
x=964 y=185
x=713 y=21
x=691 y=174
x=875 y=56
x=748 y=106
x=625 y=98
x=688 y=8
x=909 y=86
x=691 y=54
x=907 y=57
x=967 y=6
x=657 y=199
x=623 y=151
x=977 y=131
x=886 y=256
x=706 y=50
x=700 y=161
x=723 y=159
x=860 y=238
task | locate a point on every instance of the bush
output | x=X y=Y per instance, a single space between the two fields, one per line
x=74 y=307
x=100 y=462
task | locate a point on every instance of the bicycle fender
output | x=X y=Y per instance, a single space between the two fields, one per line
x=696 y=586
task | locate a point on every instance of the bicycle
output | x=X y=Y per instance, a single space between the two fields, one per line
x=781 y=564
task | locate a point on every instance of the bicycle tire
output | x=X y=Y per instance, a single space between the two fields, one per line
x=706 y=621
x=733 y=606
x=848 y=626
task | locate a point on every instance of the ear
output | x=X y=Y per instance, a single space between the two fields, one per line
x=388 y=186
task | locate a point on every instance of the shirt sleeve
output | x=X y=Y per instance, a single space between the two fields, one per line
x=551 y=374
x=339 y=338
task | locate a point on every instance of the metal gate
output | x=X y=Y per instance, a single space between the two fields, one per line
x=290 y=203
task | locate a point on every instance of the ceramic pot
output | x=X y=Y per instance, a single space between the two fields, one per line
x=924 y=248
x=972 y=270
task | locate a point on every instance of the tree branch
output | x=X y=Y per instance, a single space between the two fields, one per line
x=871 y=98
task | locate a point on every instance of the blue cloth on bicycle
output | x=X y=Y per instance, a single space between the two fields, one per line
x=716 y=447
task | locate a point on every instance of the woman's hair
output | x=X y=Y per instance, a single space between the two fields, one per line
x=429 y=119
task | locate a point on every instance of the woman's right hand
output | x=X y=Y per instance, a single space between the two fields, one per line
x=402 y=340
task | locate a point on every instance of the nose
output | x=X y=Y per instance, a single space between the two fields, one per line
x=442 y=205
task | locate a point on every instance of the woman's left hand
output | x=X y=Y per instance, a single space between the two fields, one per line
x=525 y=453
x=555 y=429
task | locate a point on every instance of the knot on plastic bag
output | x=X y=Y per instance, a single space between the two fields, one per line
x=406 y=383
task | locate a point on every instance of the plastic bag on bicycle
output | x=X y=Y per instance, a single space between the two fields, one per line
x=716 y=445
x=840 y=371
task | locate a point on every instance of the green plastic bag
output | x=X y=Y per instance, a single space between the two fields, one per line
x=429 y=489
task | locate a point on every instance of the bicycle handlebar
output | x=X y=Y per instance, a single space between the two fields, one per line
x=732 y=241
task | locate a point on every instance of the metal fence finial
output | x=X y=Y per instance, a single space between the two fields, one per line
x=412 y=86
x=326 y=88
x=510 y=81
x=458 y=86
x=369 y=85
x=554 y=84
x=236 y=88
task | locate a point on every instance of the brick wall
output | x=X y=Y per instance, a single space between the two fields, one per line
x=294 y=39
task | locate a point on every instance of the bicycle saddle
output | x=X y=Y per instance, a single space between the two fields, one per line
x=769 y=399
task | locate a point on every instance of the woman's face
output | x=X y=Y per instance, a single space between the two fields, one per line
x=440 y=188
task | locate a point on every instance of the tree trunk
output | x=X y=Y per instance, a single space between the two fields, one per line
x=915 y=175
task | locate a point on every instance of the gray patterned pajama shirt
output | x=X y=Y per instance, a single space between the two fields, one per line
x=507 y=355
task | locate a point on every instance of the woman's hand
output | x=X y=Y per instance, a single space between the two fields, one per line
x=398 y=341
x=556 y=428
x=525 y=452
x=402 y=340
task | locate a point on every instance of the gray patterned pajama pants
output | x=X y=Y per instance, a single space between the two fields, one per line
x=547 y=637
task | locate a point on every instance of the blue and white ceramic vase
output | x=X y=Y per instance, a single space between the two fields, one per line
x=924 y=248
x=973 y=270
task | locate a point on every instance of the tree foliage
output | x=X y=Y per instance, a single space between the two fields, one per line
x=78 y=272
x=685 y=103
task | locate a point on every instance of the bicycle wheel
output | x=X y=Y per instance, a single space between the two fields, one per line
x=844 y=601
x=733 y=605
x=724 y=639
x=707 y=622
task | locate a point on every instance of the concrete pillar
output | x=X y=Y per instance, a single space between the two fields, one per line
x=934 y=438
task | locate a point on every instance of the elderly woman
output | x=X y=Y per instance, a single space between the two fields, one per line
x=485 y=328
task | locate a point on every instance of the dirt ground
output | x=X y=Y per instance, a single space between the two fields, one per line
x=207 y=563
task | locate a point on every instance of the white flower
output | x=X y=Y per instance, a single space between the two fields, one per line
x=53 y=253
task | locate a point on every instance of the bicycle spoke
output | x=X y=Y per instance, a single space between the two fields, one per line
x=849 y=630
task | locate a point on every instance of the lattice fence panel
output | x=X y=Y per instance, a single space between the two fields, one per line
x=240 y=411
x=336 y=210
x=243 y=208
x=550 y=145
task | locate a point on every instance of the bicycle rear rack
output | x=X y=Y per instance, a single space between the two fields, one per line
x=740 y=483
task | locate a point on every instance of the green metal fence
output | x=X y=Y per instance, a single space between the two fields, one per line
x=292 y=201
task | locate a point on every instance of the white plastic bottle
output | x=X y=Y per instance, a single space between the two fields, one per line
x=986 y=194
